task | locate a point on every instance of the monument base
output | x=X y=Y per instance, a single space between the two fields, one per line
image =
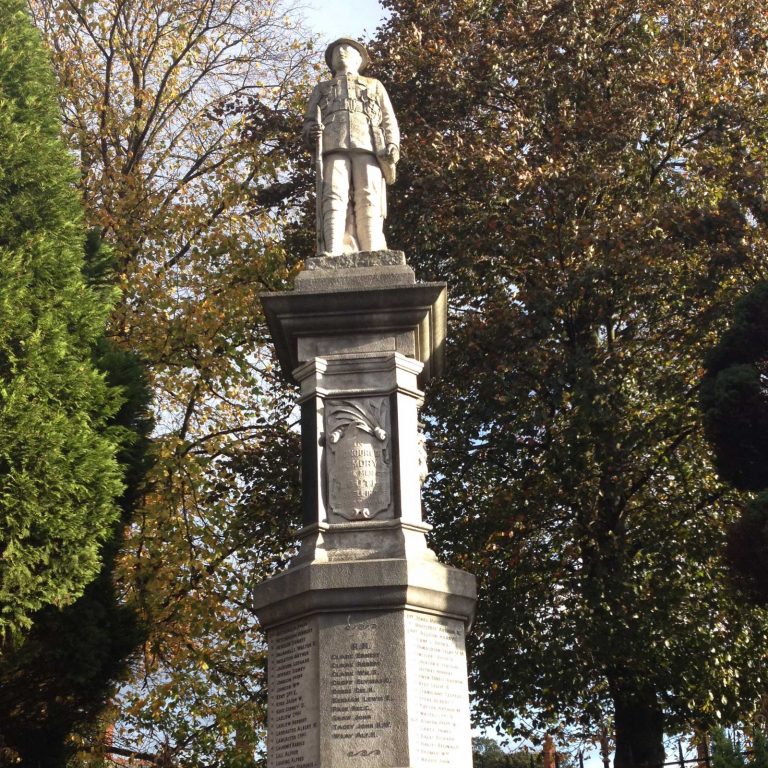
x=367 y=664
x=365 y=629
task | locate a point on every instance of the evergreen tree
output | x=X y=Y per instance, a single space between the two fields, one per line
x=54 y=686
x=734 y=399
x=759 y=758
x=59 y=476
x=734 y=394
x=726 y=751
x=192 y=201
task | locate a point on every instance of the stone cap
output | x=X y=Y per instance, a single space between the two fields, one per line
x=419 y=309
x=365 y=585
x=355 y=271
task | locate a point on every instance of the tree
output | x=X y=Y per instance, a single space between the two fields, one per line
x=588 y=177
x=59 y=477
x=192 y=200
x=739 y=750
x=734 y=394
x=734 y=399
x=726 y=751
x=488 y=753
x=759 y=749
x=55 y=684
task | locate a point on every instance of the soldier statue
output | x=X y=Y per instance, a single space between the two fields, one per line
x=352 y=130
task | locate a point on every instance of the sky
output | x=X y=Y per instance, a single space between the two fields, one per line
x=331 y=19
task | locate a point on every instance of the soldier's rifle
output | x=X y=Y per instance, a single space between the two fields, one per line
x=319 y=234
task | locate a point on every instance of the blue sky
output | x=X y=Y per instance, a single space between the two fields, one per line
x=330 y=19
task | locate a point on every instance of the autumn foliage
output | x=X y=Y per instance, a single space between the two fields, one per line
x=589 y=177
x=191 y=201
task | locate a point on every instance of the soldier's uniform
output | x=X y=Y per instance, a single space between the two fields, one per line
x=359 y=124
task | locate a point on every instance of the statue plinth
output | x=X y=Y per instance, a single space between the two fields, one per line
x=358 y=303
x=365 y=628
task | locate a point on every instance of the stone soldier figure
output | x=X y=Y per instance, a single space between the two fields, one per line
x=360 y=146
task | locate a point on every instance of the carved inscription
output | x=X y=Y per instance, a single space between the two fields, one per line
x=358 y=458
x=292 y=740
x=360 y=691
x=363 y=682
x=367 y=468
x=438 y=697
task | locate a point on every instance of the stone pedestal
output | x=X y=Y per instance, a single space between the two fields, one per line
x=365 y=629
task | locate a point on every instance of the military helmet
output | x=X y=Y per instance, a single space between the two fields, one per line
x=359 y=47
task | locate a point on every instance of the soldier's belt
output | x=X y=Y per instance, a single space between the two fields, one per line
x=349 y=105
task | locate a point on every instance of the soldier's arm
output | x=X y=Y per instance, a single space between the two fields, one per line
x=389 y=123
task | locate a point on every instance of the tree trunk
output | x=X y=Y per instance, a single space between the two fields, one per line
x=605 y=747
x=639 y=725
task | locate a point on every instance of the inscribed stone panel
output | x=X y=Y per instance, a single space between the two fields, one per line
x=362 y=685
x=293 y=724
x=438 y=697
x=358 y=459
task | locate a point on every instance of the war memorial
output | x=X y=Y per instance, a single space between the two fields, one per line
x=365 y=628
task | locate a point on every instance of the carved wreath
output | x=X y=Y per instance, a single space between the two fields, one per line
x=349 y=414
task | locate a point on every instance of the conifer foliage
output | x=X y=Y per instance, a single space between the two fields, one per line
x=55 y=685
x=59 y=477
x=734 y=394
x=734 y=399
x=192 y=204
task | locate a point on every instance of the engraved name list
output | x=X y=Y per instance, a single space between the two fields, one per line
x=292 y=729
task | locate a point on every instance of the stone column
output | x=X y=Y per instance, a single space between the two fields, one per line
x=365 y=628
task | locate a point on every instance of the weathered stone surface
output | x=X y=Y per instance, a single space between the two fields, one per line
x=354 y=279
x=309 y=324
x=438 y=696
x=294 y=707
x=362 y=271
x=363 y=540
x=360 y=465
x=359 y=585
x=353 y=260
x=358 y=459
x=311 y=347
x=351 y=128
x=378 y=689
x=365 y=629
x=367 y=665
x=363 y=678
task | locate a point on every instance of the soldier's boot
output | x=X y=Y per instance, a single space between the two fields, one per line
x=370 y=233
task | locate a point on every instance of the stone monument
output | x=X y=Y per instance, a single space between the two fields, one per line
x=365 y=628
